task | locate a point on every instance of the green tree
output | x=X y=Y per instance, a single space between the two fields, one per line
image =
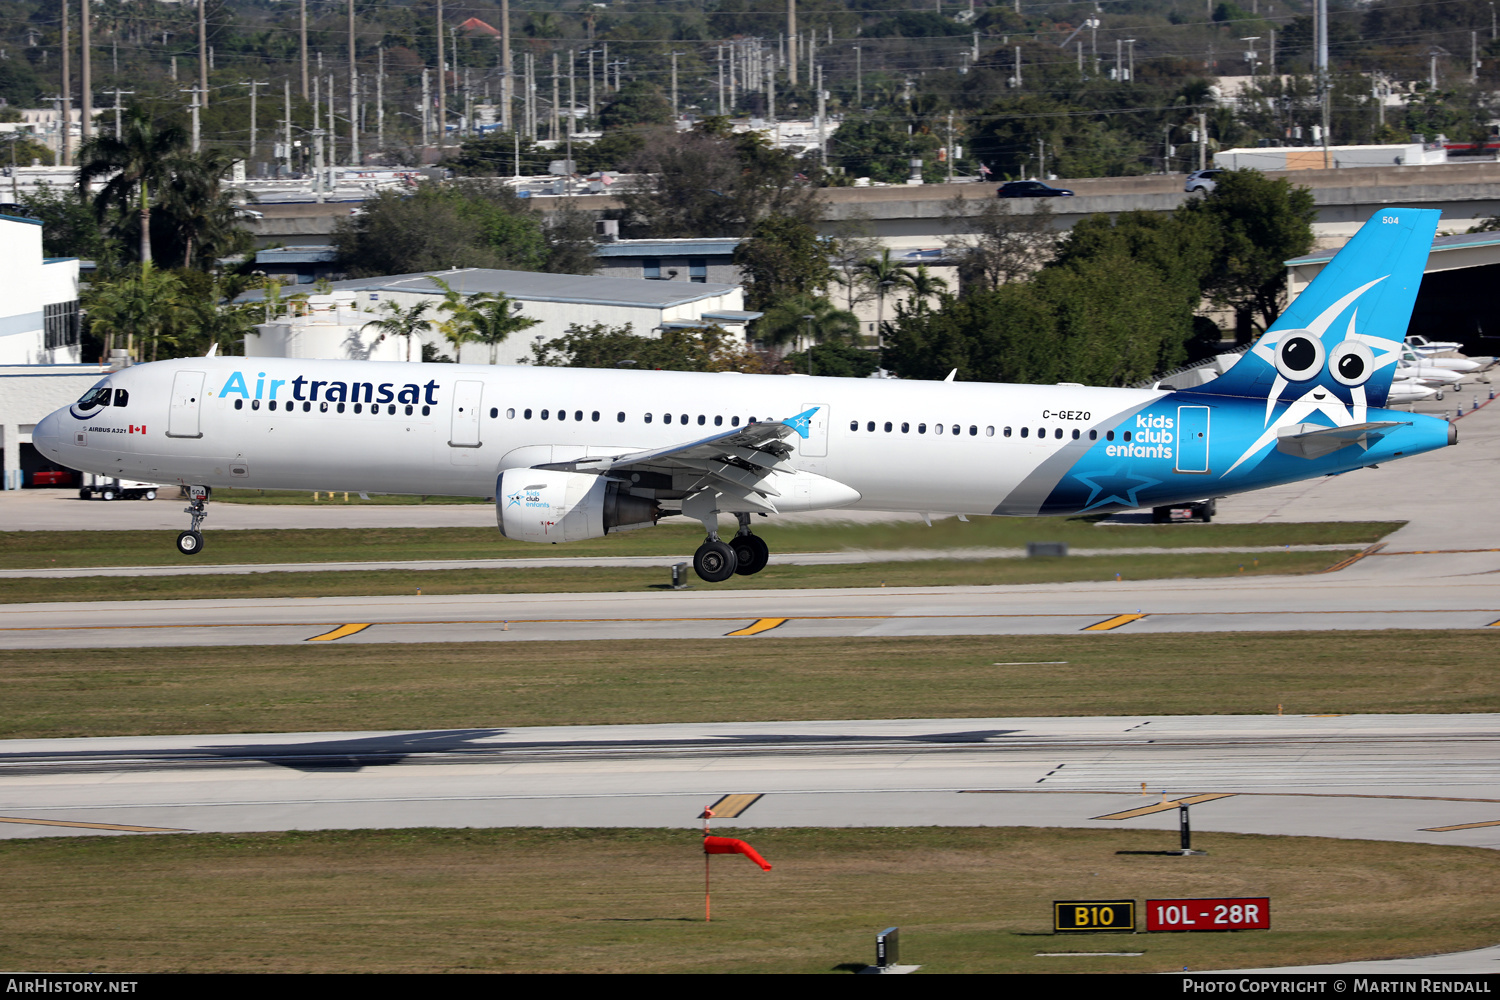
x=460 y=224
x=996 y=244
x=637 y=103
x=1258 y=224
x=782 y=257
x=796 y=318
x=142 y=306
x=203 y=215
x=69 y=227
x=834 y=360
x=133 y=163
x=923 y=285
x=1007 y=334
x=484 y=317
x=698 y=349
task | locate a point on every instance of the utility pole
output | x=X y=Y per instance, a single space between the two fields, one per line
x=1018 y=67
x=195 y=91
x=572 y=103
x=591 y=82
x=286 y=107
x=950 y=147
x=203 y=49
x=442 y=81
x=1202 y=141
x=254 y=86
x=353 y=95
x=86 y=83
x=118 y=93
x=302 y=46
x=556 y=102
x=822 y=121
x=317 y=100
x=719 y=58
x=65 y=136
x=1272 y=57
x=507 y=85
x=426 y=107
x=380 y=98
x=791 y=43
x=1473 y=58
x=1130 y=46
x=333 y=129
x=675 y=54
x=318 y=163
x=859 y=79
x=1322 y=42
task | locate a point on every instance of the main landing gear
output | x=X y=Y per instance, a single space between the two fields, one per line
x=190 y=542
x=745 y=554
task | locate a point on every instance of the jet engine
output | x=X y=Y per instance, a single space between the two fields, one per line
x=546 y=505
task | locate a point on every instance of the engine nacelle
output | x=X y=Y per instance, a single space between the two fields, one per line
x=546 y=505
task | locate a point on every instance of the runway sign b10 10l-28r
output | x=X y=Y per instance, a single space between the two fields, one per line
x=1093 y=915
x=1253 y=914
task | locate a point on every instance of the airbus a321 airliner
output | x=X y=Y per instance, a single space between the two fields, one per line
x=570 y=453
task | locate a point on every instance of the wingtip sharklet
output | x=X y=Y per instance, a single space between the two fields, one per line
x=802 y=422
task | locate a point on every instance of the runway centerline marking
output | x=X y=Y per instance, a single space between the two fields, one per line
x=1113 y=623
x=92 y=826
x=760 y=625
x=1163 y=806
x=339 y=633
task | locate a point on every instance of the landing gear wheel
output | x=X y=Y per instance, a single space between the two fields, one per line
x=714 y=562
x=149 y=495
x=85 y=494
x=190 y=543
x=751 y=554
x=108 y=494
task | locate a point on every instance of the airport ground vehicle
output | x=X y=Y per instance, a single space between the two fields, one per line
x=1031 y=189
x=575 y=453
x=111 y=488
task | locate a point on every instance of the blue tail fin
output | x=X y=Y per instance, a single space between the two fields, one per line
x=1344 y=333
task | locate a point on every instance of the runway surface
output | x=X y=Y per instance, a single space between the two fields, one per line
x=1429 y=779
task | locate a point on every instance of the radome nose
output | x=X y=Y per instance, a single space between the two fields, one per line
x=47 y=436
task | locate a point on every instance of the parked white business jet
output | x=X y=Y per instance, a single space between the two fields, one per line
x=573 y=453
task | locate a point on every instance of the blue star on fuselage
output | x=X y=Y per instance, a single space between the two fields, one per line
x=1114 y=487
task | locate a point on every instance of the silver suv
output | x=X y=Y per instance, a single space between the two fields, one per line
x=1202 y=180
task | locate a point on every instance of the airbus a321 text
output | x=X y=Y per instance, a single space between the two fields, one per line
x=571 y=453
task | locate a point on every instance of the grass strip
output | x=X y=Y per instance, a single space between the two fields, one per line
x=630 y=900
x=329 y=687
x=925 y=573
x=33 y=549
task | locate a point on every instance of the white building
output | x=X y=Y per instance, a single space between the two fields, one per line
x=39 y=308
x=557 y=301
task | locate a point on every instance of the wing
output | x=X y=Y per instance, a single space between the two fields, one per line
x=738 y=464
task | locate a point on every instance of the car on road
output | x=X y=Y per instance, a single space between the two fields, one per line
x=1031 y=189
x=1202 y=180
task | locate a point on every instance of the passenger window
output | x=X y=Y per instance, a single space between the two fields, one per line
x=408 y=408
x=937 y=428
x=989 y=432
x=306 y=407
x=510 y=413
x=1057 y=433
x=905 y=427
x=391 y=410
x=239 y=404
x=620 y=417
x=973 y=430
x=1109 y=435
x=341 y=408
x=854 y=425
x=1093 y=435
x=596 y=416
x=426 y=410
x=648 y=418
x=544 y=414
x=578 y=415
x=702 y=420
x=921 y=428
x=561 y=414
x=718 y=421
x=526 y=414
x=1075 y=434
x=734 y=421
x=683 y=419
x=494 y=412
x=957 y=430
x=122 y=397
x=887 y=426
x=1007 y=432
x=254 y=404
x=666 y=418
x=871 y=426
x=1127 y=435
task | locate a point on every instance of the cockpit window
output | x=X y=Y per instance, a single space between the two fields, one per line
x=122 y=397
x=98 y=396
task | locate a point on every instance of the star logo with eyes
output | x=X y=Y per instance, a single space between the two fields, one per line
x=1114 y=487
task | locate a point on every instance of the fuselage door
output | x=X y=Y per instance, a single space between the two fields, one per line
x=468 y=397
x=187 y=397
x=1192 y=439
x=815 y=445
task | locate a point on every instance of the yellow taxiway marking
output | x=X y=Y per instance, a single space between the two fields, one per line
x=92 y=826
x=760 y=625
x=1460 y=826
x=1111 y=623
x=1351 y=560
x=1163 y=806
x=730 y=806
x=339 y=633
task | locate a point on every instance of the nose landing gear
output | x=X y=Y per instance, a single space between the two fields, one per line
x=190 y=542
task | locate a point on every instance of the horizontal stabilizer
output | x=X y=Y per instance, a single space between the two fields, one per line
x=1317 y=440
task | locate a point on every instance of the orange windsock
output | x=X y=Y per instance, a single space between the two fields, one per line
x=728 y=845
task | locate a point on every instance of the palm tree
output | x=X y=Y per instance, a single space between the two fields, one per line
x=881 y=273
x=203 y=213
x=787 y=322
x=137 y=159
x=400 y=323
x=486 y=317
x=147 y=304
x=923 y=285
